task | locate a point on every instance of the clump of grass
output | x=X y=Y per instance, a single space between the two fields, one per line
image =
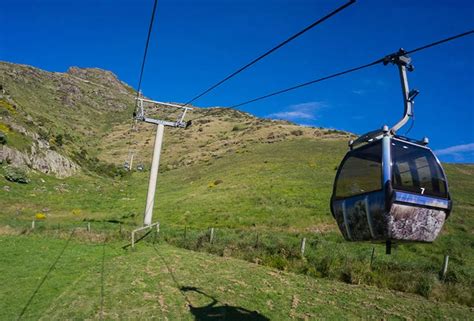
x=214 y=183
x=4 y=128
x=7 y=107
x=237 y=128
x=16 y=174
x=297 y=132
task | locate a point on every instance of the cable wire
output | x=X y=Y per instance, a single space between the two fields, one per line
x=353 y=69
x=412 y=123
x=150 y=28
x=296 y=35
x=308 y=83
x=133 y=124
x=440 y=42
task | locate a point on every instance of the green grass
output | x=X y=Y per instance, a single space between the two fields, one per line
x=247 y=177
x=283 y=186
x=279 y=191
x=165 y=282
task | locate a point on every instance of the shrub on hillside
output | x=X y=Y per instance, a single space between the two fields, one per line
x=297 y=132
x=16 y=174
x=3 y=138
x=95 y=165
x=40 y=216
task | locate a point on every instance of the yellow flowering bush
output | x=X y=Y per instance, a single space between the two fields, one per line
x=40 y=216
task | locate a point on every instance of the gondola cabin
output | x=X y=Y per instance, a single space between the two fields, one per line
x=390 y=188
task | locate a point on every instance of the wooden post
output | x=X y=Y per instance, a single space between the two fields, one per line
x=211 y=237
x=388 y=247
x=133 y=240
x=89 y=227
x=303 y=246
x=445 y=267
x=33 y=224
x=372 y=257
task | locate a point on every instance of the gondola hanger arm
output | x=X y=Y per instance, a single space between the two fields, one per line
x=403 y=61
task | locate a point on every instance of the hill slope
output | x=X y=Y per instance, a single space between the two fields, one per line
x=263 y=184
x=84 y=115
x=166 y=283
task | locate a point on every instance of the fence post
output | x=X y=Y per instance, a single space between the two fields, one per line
x=445 y=267
x=133 y=240
x=372 y=257
x=211 y=237
x=89 y=227
x=303 y=246
x=33 y=224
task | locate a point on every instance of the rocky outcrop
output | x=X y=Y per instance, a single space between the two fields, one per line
x=100 y=78
x=13 y=156
x=44 y=160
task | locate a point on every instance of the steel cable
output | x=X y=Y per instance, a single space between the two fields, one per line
x=267 y=53
x=382 y=60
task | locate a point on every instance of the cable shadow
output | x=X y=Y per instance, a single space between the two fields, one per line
x=51 y=268
x=217 y=311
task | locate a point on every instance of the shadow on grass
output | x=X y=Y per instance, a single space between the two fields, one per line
x=214 y=310
x=217 y=311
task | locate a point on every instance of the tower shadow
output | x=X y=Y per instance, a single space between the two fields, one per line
x=217 y=311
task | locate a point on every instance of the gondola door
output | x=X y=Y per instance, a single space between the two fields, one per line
x=358 y=201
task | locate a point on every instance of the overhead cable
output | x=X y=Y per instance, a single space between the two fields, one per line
x=296 y=35
x=150 y=28
x=381 y=60
x=133 y=123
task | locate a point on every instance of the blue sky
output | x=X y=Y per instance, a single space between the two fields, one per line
x=197 y=42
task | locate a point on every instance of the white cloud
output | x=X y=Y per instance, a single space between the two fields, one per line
x=456 y=151
x=303 y=111
x=359 y=92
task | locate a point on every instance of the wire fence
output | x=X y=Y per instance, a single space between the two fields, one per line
x=324 y=255
x=279 y=249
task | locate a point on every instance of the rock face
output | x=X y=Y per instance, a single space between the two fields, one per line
x=100 y=77
x=44 y=160
x=46 y=118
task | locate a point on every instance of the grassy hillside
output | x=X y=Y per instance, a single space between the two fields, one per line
x=90 y=281
x=215 y=133
x=282 y=185
x=262 y=184
x=262 y=202
x=79 y=105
